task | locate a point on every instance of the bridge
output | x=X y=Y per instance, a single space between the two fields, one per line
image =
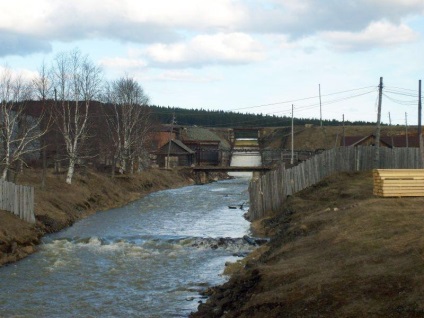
x=231 y=169
x=201 y=172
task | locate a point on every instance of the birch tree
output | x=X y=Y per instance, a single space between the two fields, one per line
x=43 y=86
x=19 y=131
x=77 y=81
x=129 y=121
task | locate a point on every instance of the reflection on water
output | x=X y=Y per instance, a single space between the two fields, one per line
x=148 y=259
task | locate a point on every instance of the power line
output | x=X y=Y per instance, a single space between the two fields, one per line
x=301 y=108
x=302 y=99
x=401 y=102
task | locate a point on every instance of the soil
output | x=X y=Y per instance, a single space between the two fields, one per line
x=59 y=205
x=335 y=251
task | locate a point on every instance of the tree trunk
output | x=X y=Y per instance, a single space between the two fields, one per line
x=43 y=176
x=4 y=174
x=113 y=166
x=132 y=166
x=71 y=170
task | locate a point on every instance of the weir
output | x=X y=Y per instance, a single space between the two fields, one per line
x=245 y=153
x=245 y=162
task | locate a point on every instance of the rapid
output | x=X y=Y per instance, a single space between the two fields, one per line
x=150 y=258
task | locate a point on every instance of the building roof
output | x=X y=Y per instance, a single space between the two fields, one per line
x=390 y=141
x=202 y=134
x=400 y=141
x=175 y=146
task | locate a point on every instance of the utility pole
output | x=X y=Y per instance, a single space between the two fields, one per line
x=420 y=135
x=344 y=135
x=292 y=139
x=406 y=130
x=377 y=135
x=320 y=106
x=170 y=141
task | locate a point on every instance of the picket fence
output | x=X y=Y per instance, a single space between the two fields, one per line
x=18 y=200
x=268 y=193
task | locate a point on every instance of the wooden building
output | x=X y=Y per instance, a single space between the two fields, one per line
x=179 y=155
x=207 y=152
x=209 y=147
x=161 y=135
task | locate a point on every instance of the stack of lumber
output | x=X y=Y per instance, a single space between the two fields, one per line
x=399 y=182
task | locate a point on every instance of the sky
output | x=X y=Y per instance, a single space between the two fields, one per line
x=256 y=56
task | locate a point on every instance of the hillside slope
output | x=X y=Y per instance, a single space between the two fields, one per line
x=325 y=137
x=336 y=251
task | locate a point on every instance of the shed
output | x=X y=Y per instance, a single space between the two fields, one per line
x=179 y=155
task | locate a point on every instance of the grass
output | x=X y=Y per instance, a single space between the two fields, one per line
x=336 y=251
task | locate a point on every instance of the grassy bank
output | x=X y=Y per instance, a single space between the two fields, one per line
x=59 y=205
x=336 y=251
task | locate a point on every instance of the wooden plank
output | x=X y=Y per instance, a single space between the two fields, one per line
x=401 y=194
x=387 y=183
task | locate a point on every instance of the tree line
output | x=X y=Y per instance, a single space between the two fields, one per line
x=220 y=118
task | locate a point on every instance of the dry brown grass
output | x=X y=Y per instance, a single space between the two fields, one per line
x=337 y=251
x=325 y=137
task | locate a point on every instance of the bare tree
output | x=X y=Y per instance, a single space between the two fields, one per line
x=43 y=87
x=128 y=121
x=77 y=81
x=20 y=131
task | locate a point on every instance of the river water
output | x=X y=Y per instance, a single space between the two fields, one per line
x=147 y=259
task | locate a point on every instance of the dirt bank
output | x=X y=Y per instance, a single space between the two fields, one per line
x=59 y=205
x=336 y=251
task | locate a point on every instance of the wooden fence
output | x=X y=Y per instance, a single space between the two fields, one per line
x=17 y=199
x=268 y=193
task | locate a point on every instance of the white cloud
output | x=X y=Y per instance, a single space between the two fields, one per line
x=377 y=34
x=45 y=18
x=24 y=74
x=184 y=76
x=307 y=17
x=233 y=48
x=28 y=26
x=123 y=63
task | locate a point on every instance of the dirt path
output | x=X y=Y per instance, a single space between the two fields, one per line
x=59 y=205
x=336 y=251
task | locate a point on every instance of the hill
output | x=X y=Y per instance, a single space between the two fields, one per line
x=214 y=118
x=325 y=137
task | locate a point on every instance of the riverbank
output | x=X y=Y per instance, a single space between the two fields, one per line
x=59 y=205
x=336 y=251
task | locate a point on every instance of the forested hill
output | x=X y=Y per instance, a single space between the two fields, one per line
x=209 y=118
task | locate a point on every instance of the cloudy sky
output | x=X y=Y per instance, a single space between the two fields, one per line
x=244 y=55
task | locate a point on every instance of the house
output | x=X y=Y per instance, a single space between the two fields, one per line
x=179 y=155
x=209 y=147
x=161 y=135
x=207 y=151
x=385 y=141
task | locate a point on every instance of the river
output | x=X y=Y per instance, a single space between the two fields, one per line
x=150 y=258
